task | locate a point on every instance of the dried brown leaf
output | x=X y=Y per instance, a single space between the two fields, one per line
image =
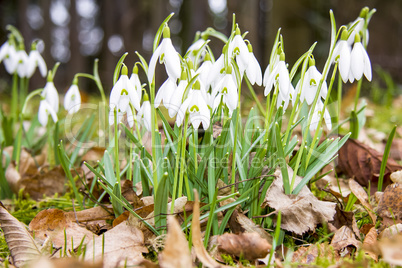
x=362 y=196
x=300 y=213
x=390 y=205
x=198 y=245
x=363 y=163
x=123 y=246
x=391 y=250
x=369 y=241
x=307 y=255
x=57 y=225
x=65 y=263
x=343 y=238
x=176 y=253
x=94 y=154
x=391 y=231
x=22 y=246
x=345 y=218
x=248 y=245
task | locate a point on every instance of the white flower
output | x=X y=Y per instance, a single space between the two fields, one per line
x=342 y=54
x=237 y=47
x=135 y=80
x=310 y=85
x=253 y=70
x=316 y=116
x=285 y=98
x=167 y=54
x=4 y=50
x=35 y=59
x=72 y=99
x=215 y=73
x=177 y=96
x=226 y=90
x=165 y=92
x=280 y=75
x=193 y=50
x=44 y=110
x=145 y=113
x=360 y=62
x=270 y=69
x=205 y=69
x=123 y=93
x=11 y=60
x=196 y=105
x=51 y=95
x=22 y=63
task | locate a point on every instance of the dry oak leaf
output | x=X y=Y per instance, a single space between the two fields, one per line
x=363 y=163
x=307 y=255
x=123 y=246
x=301 y=212
x=22 y=246
x=362 y=196
x=249 y=245
x=343 y=238
x=347 y=218
x=176 y=253
x=390 y=205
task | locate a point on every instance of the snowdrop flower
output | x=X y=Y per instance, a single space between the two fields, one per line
x=237 y=47
x=144 y=113
x=360 y=61
x=357 y=30
x=8 y=53
x=72 y=100
x=165 y=92
x=280 y=77
x=21 y=59
x=4 y=50
x=205 y=69
x=226 y=90
x=177 y=96
x=44 y=110
x=135 y=80
x=316 y=116
x=35 y=60
x=196 y=105
x=342 y=54
x=122 y=95
x=285 y=99
x=309 y=85
x=168 y=55
x=50 y=93
x=270 y=68
x=215 y=73
x=193 y=50
x=253 y=70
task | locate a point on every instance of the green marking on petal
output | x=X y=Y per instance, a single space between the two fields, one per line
x=225 y=90
x=194 y=108
x=313 y=82
x=124 y=92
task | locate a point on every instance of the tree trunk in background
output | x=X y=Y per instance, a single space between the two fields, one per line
x=76 y=63
x=23 y=23
x=46 y=33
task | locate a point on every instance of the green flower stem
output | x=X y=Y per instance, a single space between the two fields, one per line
x=116 y=147
x=182 y=158
x=50 y=148
x=14 y=97
x=257 y=101
x=176 y=172
x=19 y=142
x=154 y=127
x=322 y=114
x=339 y=99
x=24 y=82
x=98 y=83
x=358 y=88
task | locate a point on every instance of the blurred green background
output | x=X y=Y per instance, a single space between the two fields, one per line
x=75 y=32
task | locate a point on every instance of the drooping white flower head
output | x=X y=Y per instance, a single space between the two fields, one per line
x=177 y=96
x=215 y=74
x=279 y=76
x=167 y=54
x=43 y=113
x=194 y=49
x=238 y=48
x=360 y=61
x=22 y=63
x=165 y=92
x=196 y=106
x=4 y=50
x=269 y=69
x=135 y=80
x=50 y=93
x=316 y=116
x=309 y=85
x=35 y=60
x=122 y=95
x=253 y=70
x=226 y=90
x=11 y=60
x=72 y=99
x=205 y=69
x=342 y=53
x=144 y=113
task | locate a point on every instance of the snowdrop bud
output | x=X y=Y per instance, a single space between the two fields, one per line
x=364 y=12
x=166 y=31
x=72 y=99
